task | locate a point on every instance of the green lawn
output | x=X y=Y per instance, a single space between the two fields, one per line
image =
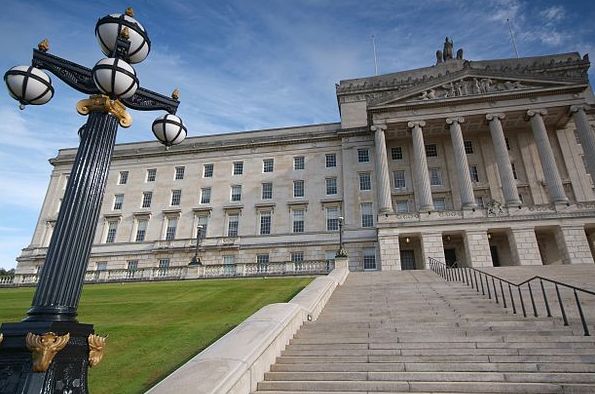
x=155 y=327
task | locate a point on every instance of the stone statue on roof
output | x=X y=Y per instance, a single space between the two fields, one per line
x=447 y=51
x=446 y=54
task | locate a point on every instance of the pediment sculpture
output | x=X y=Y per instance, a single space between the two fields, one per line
x=494 y=208
x=471 y=86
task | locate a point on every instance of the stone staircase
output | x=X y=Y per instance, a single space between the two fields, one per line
x=412 y=331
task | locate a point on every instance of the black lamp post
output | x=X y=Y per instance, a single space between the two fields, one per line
x=341 y=252
x=49 y=351
x=195 y=259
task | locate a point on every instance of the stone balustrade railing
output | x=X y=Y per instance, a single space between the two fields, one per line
x=308 y=267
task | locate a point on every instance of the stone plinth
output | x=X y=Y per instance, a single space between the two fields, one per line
x=477 y=248
x=573 y=245
x=524 y=246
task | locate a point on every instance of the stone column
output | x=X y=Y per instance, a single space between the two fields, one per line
x=573 y=245
x=546 y=155
x=432 y=246
x=462 y=166
x=524 y=246
x=477 y=248
x=509 y=189
x=385 y=204
x=420 y=167
x=586 y=136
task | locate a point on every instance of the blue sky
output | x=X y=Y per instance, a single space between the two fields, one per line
x=243 y=65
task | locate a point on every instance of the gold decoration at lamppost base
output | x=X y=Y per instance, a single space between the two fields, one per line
x=102 y=103
x=96 y=348
x=43 y=45
x=1 y=338
x=44 y=348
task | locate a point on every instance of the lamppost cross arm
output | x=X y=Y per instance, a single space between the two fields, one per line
x=81 y=78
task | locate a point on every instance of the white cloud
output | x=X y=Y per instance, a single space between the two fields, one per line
x=553 y=13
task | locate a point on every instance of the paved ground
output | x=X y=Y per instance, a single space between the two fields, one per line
x=414 y=332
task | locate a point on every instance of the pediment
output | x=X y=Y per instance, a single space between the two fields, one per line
x=466 y=85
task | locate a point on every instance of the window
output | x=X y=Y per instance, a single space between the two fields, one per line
x=367 y=214
x=267 y=165
x=363 y=155
x=66 y=178
x=101 y=266
x=262 y=260
x=402 y=206
x=431 y=150
x=141 y=230
x=468 y=147
x=369 y=258
x=440 y=204
x=265 y=222
x=123 y=178
x=507 y=143
x=205 y=195
x=514 y=174
x=267 y=191
x=229 y=259
x=298 y=220
x=330 y=160
x=298 y=189
x=332 y=219
x=473 y=173
x=435 y=177
x=203 y=220
x=236 y=193
x=172 y=225
x=298 y=163
x=329 y=255
x=365 y=183
x=179 y=174
x=331 y=186
x=112 y=227
x=132 y=265
x=521 y=198
x=118 y=201
x=151 y=174
x=399 y=179
x=176 y=196
x=297 y=257
x=238 y=167
x=147 y=197
x=233 y=222
x=207 y=171
x=396 y=153
x=163 y=267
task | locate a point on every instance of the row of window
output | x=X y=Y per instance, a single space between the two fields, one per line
x=432 y=149
x=265 y=218
x=237 y=168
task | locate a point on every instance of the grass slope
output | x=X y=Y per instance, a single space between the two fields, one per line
x=155 y=327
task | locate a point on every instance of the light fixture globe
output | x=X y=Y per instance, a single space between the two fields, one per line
x=169 y=130
x=115 y=78
x=110 y=27
x=29 y=85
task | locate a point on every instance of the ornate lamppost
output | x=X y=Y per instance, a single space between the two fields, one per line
x=195 y=259
x=341 y=252
x=49 y=351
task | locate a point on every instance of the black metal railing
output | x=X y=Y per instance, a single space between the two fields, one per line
x=501 y=291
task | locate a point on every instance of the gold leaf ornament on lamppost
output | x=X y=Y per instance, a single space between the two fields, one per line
x=44 y=348
x=96 y=349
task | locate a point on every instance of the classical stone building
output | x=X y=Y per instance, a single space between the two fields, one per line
x=476 y=163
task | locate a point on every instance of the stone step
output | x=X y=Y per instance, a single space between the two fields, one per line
x=437 y=387
x=434 y=367
x=440 y=358
x=437 y=352
x=443 y=345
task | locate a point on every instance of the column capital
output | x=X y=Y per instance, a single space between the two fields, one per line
x=378 y=127
x=578 y=107
x=532 y=112
x=458 y=120
x=417 y=123
x=494 y=116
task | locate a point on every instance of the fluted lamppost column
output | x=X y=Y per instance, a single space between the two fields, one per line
x=586 y=136
x=509 y=188
x=420 y=167
x=382 y=173
x=553 y=180
x=462 y=166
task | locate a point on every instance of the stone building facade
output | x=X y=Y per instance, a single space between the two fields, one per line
x=476 y=163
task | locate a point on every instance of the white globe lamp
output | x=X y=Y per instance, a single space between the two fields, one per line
x=29 y=85
x=169 y=130
x=115 y=78
x=110 y=27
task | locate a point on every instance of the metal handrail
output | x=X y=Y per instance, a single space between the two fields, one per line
x=469 y=276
